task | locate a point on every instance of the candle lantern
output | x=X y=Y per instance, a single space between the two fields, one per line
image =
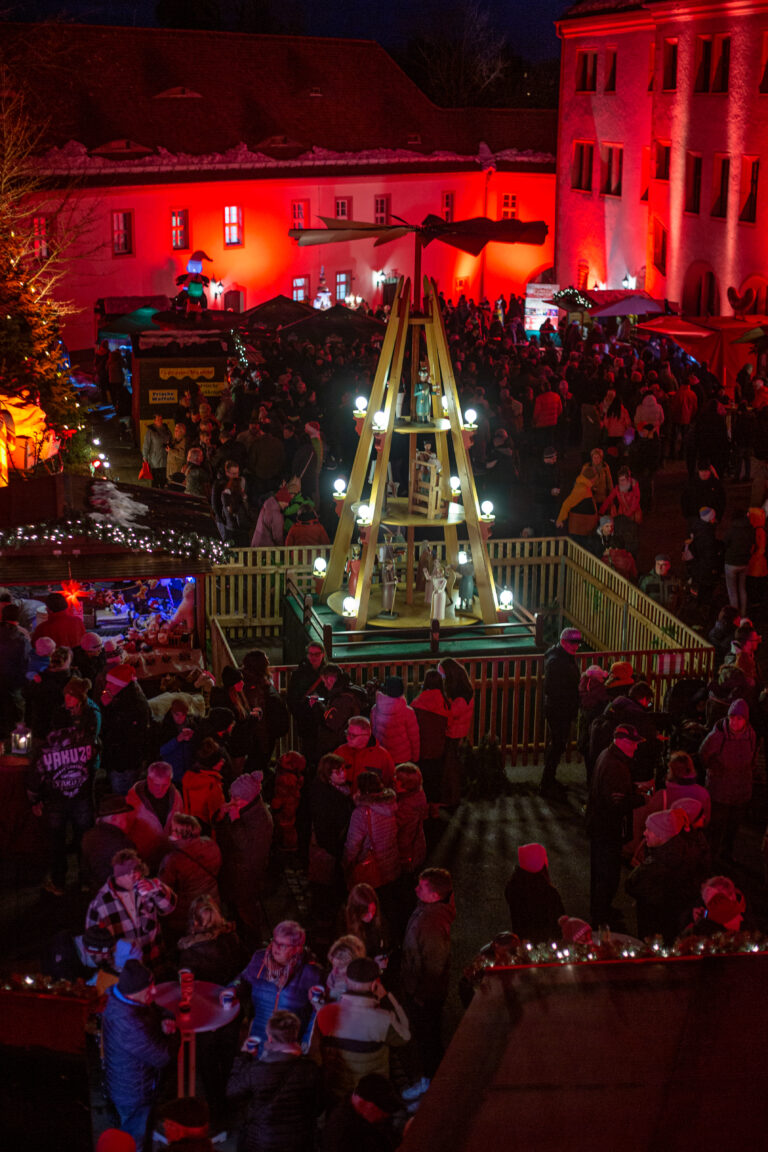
x=21 y=740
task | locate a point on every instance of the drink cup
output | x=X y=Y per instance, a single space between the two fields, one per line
x=317 y=995
x=227 y=997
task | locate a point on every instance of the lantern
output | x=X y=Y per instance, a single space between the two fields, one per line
x=21 y=740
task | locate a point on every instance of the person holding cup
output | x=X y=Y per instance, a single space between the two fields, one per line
x=129 y=905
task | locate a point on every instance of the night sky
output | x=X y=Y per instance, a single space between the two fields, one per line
x=528 y=24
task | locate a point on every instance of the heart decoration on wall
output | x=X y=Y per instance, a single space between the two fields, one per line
x=741 y=303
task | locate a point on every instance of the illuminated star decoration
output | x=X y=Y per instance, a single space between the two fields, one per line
x=73 y=591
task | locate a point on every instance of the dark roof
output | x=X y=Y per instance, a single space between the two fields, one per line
x=201 y=93
x=600 y=7
x=51 y=529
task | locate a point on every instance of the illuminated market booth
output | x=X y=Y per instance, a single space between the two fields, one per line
x=131 y=562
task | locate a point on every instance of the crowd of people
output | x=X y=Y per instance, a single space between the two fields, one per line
x=177 y=823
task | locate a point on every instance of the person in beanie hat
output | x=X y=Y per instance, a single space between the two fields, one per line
x=138 y=1043
x=61 y=625
x=561 y=705
x=353 y=1035
x=243 y=831
x=127 y=722
x=666 y=882
x=363 y=1121
x=90 y=659
x=662 y=585
x=728 y=755
x=113 y=1140
x=394 y=722
x=534 y=903
x=282 y=1090
x=575 y=931
x=612 y=798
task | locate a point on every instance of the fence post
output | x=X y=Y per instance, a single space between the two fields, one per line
x=624 y=624
x=434 y=637
x=328 y=640
x=561 y=593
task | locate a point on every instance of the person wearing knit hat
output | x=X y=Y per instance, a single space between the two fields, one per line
x=722 y=909
x=115 y=1140
x=728 y=756
x=708 y=515
x=270 y=526
x=620 y=676
x=533 y=901
x=353 y=1035
x=575 y=931
x=664 y=883
x=243 y=830
x=117 y=678
x=138 y=1042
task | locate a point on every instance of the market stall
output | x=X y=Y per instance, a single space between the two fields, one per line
x=717 y=341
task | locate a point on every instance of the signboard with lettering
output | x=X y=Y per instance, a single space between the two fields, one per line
x=163 y=396
x=536 y=308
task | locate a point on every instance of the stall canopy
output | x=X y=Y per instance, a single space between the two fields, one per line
x=274 y=313
x=55 y=528
x=602 y=302
x=716 y=340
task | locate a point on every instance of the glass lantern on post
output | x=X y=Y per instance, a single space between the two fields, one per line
x=21 y=740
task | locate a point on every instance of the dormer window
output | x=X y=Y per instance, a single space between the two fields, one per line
x=180 y=93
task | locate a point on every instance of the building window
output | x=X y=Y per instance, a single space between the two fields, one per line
x=611 y=169
x=586 y=71
x=651 y=64
x=722 y=69
x=41 y=237
x=300 y=289
x=645 y=171
x=343 y=286
x=703 y=75
x=509 y=206
x=447 y=207
x=233 y=226
x=610 y=70
x=720 y=179
x=692 y=182
x=581 y=173
x=662 y=156
x=764 y=65
x=179 y=228
x=300 y=213
x=750 y=170
x=381 y=209
x=669 y=78
x=660 y=247
x=122 y=233
x=343 y=209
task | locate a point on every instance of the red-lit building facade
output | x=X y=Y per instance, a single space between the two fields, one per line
x=663 y=133
x=180 y=140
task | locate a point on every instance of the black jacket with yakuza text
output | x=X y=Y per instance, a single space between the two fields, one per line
x=64 y=768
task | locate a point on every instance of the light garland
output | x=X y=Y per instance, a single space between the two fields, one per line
x=185 y=545
x=37 y=984
x=528 y=955
x=572 y=296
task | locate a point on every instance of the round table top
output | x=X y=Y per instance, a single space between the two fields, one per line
x=206 y=1014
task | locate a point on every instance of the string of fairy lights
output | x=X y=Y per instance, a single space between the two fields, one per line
x=184 y=545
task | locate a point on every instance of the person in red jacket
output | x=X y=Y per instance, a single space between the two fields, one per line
x=394 y=722
x=432 y=710
x=363 y=753
x=67 y=630
x=461 y=696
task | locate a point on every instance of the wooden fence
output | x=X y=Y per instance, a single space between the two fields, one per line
x=247 y=591
x=509 y=699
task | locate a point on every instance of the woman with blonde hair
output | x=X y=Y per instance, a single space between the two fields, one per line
x=211 y=947
x=340 y=954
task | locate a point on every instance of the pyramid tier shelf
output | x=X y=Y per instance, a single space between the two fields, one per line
x=396 y=513
x=412 y=428
x=409 y=615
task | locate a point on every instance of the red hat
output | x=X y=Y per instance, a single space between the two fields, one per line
x=119 y=676
x=532 y=857
x=283 y=495
x=722 y=910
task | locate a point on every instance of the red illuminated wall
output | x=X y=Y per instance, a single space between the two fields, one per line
x=692 y=254
x=268 y=259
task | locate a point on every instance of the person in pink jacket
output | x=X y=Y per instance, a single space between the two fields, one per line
x=461 y=696
x=623 y=503
x=394 y=722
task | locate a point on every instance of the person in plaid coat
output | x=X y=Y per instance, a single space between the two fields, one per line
x=129 y=906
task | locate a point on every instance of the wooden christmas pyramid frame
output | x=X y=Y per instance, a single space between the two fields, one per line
x=429 y=502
